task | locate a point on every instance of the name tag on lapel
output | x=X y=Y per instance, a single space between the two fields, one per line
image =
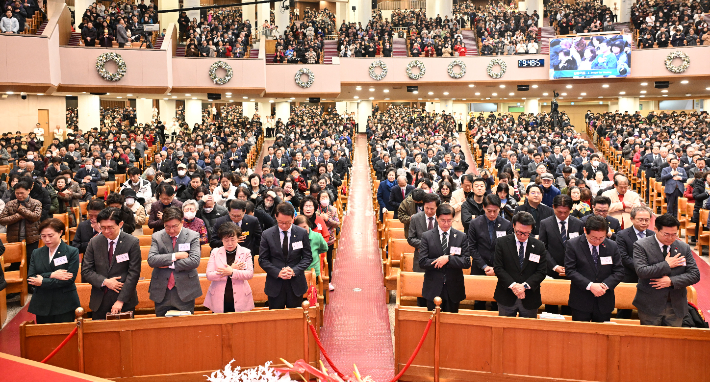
x=184 y=247
x=500 y=234
x=245 y=233
x=534 y=258
x=319 y=228
x=572 y=235
x=455 y=250
x=605 y=260
x=297 y=245
x=60 y=260
x=122 y=257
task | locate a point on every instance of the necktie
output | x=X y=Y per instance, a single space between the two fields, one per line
x=563 y=232
x=444 y=242
x=403 y=196
x=665 y=250
x=521 y=253
x=642 y=234
x=110 y=252
x=491 y=228
x=284 y=244
x=595 y=257
x=171 y=279
x=431 y=224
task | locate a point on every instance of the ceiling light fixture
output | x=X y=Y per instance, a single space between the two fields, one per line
x=477 y=93
x=511 y=94
x=644 y=83
x=684 y=82
x=643 y=92
x=431 y=93
x=622 y=93
x=583 y=94
x=502 y=86
x=605 y=85
x=545 y=94
x=534 y=86
x=356 y=97
x=664 y=91
x=446 y=93
x=569 y=86
x=494 y=94
x=228 y=93
x=187 y=95
x=386 y=90
x=371 y=98
x=470 y=85
x=372 y=89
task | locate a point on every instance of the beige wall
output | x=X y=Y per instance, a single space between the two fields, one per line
x=19 y=114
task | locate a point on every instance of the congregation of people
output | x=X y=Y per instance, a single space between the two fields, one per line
x=544 y=204
x=121 y=22
x=670 y=23
x=200 y=190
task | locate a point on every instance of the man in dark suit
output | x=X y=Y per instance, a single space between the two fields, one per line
x=268 y=157
x=625 y=239
x=89 y=228
x=660 y=163
x=555 y=233
x=399 y=192
x=593 y=264
x=520 y=264
x=673 y=178
x=280 y=165
x=112 y=265
x=174 y=256
x=418 y=224
x=443 y=257
x=533 y=205
x=483 y=233
x=382 y=166
x=665 y=267
x=594 y=166
x=284 y=254
x=251 y=229
x=164 y=166
x=88 y=176
x=600 y=207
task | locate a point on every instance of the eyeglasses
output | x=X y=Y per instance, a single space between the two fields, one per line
x=669 y=235
x=521 y=233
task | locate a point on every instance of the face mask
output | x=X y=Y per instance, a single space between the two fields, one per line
x=268 y=205
x=97 y=164
x=189 y=215
x=595 y=163
x=181 y=173
x=30 y=157
x=88 y=167
x=208 y=210
x=130 y=201
x=133 y=147
x=325 y=203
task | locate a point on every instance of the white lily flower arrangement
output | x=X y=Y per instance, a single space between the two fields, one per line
x=677 y=69
x=373 y=73
x=460 y=73
x=262 y=373
x=492 y=64
x=417 y=64
x=307 y=72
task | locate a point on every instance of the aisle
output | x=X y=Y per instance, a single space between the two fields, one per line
x=356 y=328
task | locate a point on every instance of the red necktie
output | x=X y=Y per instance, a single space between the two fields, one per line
x=110 y=253
x=171 y=280
x=403 y=196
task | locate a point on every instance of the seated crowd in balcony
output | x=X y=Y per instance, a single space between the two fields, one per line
x=674 y=24
x=222 y=34
x=507 y=32
x=303 y=42
x=15 y=14
x=581 y=17
x=123 y=23
x=374 y=40
x=434 y=36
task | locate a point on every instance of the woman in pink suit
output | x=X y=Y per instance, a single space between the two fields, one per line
x=229 y=269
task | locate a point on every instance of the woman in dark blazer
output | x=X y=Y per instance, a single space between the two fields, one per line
x=53 y=269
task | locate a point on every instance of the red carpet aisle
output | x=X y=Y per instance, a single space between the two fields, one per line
x=10 y=334
x=356 y=328
x=703 y=287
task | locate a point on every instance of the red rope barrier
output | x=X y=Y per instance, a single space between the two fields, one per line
x=66 y=340
x=416 y=351
x=397 y=377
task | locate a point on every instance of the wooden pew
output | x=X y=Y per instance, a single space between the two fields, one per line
x=16 y=280
x=3 y=299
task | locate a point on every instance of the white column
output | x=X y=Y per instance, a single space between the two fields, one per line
x=193 y=111
x=342 y=107
x=341 y=12
x=351 y=107
x=283 y=111
x=167 y=110
x=89 y=110
x=364 y=110
x=80 y=6
x=532 y=105
x=624 y=12
x=144 y=110
x=429 y=107
x=249 y=13
x=706 y=104
x=446 y=106
x=364 y=12
x=171 y=17
x=264 y=111
x=445 y=8
x=281 y=17
x=263 y=13
x=191 y=4
x=630 y=104
x=437 y=107
x=535 y=5
x=248 y=109
x=431 y=9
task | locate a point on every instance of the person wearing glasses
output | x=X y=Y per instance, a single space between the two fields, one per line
x=521 y=265
x=442 y=256
x=665 y=267
x=593 y=264
x=600 y=207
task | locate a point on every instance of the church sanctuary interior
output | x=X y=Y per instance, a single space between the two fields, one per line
x=354 y=190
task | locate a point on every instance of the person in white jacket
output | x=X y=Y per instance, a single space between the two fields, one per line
x=9 y=24
x=141 y=186
x=225 y=191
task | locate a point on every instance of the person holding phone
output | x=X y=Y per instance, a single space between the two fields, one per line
x=229 y=268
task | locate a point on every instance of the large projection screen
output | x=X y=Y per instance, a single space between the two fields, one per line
x=590 y=56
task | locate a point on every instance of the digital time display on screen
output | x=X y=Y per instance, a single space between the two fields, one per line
x=531 y=63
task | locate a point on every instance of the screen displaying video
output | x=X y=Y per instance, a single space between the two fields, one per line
x=590 y=56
